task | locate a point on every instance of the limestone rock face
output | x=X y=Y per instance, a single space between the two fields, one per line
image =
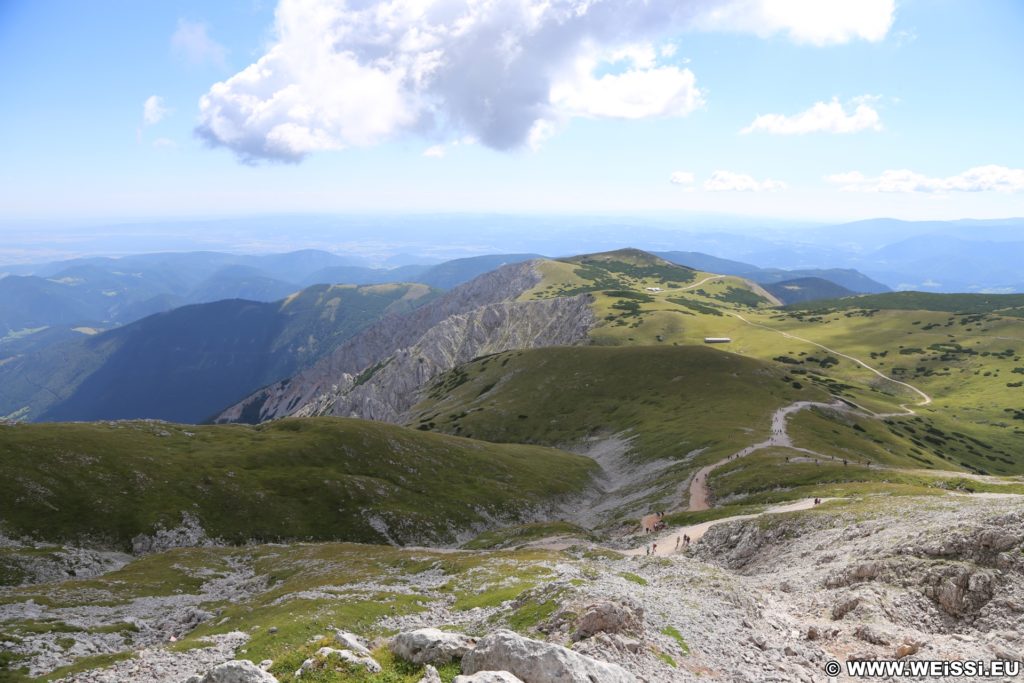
x=238 y=671
x=431 y=646
x=534 y=661
x=350 y=641
x=377 y=343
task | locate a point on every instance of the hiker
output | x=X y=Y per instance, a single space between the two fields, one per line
x=648 y=548
x=677 y=543
x=654 y=549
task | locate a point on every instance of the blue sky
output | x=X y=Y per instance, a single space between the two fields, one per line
x=911 y=109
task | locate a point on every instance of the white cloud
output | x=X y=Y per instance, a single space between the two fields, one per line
x=727 y=181
x=682 y=178
x=823 y=117
x=509 y=72
x=990 y=178
x=817 y=22
x=191 y=42
x=435 y=151
x=154 y=110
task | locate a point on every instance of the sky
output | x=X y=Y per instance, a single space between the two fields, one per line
x=819 y=110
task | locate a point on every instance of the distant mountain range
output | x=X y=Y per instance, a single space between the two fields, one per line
x=189 y=363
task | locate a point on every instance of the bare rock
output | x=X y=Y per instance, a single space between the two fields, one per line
x=488 y=677
x=431 y=646
x=844 y=607
x=237 y=671
x=871 y=634
x=430 y=675
x=535 y=661
x=350 y=641
x=329 y=653
x=609 y=616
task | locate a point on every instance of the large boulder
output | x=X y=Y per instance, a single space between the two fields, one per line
x=238 y=671
x=534 y=661
x=488 y=677
x=431 y=646
x=608 y=616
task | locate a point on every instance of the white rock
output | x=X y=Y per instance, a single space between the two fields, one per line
x=534 y=661
x=237 y=671
x=349 y=656
x=350 y=641
x=431 y=646
x=488 y=677
x=430 y=675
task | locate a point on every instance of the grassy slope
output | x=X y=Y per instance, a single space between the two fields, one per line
x=320 y=478
x=969 y=360
x=671 y=400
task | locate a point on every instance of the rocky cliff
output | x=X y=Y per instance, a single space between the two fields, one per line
x=375 y=375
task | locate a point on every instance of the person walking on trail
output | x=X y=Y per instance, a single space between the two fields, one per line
x=654 y=549
x=648 y=548
x=677 y=543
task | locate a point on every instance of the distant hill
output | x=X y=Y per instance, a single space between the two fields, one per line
x=454 y=273
x=1006 y=304
x=185 y=364
x=807 y=289
x=847 y=278
x=315 y=479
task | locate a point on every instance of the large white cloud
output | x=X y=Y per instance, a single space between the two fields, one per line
x=991 y=178
x=509 y=72
x=727 y=181
x=823 y=117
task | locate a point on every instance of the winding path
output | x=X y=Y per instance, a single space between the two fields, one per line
x=925 y=398
x=700 y=492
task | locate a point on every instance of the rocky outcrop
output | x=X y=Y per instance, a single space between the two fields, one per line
x=378 y=342
x=610 y=616
x=238 y=671
x=431 y=646
x=386 y=391
x=534 y=661
x=189 y=534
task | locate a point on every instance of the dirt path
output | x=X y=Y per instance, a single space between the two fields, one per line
x=700 y=493
x=925 y=398
x=666 y=541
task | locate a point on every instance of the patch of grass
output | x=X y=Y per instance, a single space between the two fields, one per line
x=667 y=658
x=86 y=664
x=673 y=633
x=635 y=578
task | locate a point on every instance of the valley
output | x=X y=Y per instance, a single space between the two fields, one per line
x=479 y=460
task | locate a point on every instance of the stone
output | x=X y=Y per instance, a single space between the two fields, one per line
x=431 y=646
x=430 y=675
x=907 y=648
x=266 y=664
x=237 y=671
x=329 y=653
x=607 y=616
x=844 y=607
x=870 y=634
x=488 y=677
x=534 y=661
x=813 y=633
x=350 y=641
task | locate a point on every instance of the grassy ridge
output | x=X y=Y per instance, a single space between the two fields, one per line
x=318 y=478
x=922 y=301
x=671 y=400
